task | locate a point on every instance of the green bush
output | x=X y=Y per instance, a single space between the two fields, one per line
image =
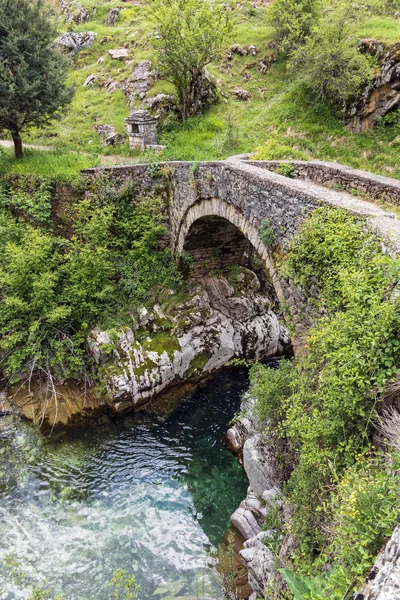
x=274 y=149
x=54 y=288
x=293 y=21
x=322 y=408
x=329 y=63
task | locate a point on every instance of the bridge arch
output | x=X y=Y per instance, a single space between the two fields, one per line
x=204 y=218
x=215 y=207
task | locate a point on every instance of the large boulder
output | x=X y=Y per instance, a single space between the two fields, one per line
x=75 y=42
x=202 y=93
x=260 y=563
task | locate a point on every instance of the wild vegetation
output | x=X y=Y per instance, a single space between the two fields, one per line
x=281 y=118
x=321 y=408
x=61 y=276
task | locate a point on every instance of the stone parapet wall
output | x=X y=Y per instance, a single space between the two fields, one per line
x=335 y=175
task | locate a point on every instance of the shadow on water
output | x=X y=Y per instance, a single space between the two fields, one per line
x=147 y=495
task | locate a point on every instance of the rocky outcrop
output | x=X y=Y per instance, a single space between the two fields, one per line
x=118 y=53
x=74 y=14
x=108 y=134
x=382 y=94
x=75 y=42
x=161 y=105
x=383 y=582
x=202 y=93
x=162 y=348
x=113 y=16
x=263 y=495
x=260 y=563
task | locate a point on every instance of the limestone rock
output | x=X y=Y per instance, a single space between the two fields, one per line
x=259 y=562
x=118 y=53
x=260 y=465
x=161 y=104
x=381 y=95
x=113 y=16
x=89 y=81
x=383 y=582
x=78 y=14
x=204 y=337
x=202 y=92
x=143 y=79
x=77 y=41
x=236 y=49
x=241 y=94
x=245 y=426
x=249 y=518
x=108 y=135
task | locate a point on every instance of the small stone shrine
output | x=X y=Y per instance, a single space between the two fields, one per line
x=142 y=129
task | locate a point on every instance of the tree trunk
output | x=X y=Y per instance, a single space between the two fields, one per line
x=17 y=144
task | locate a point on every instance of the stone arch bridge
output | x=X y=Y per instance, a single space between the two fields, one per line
x=215 y=209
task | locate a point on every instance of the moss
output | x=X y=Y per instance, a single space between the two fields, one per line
x=162 y=341
x=197 y=365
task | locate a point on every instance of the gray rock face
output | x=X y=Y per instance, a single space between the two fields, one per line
x=200 y=339
x=113 y=16
x=77 y=41
x=118 y=53
x=260 y=465
x=382 y=94
x=143 y=79
x=245 y=426
x=383 y=582
x=108 y=135
x=260 y=563
x=89 y=81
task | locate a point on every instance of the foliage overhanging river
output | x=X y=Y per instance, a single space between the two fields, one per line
x=150 y=496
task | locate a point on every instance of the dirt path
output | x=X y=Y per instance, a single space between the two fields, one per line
x=10 y=144
x=107 y=160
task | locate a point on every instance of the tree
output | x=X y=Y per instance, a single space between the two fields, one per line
x=189 y=34
x=329 y=62
x=293 y=21
x=32 y=69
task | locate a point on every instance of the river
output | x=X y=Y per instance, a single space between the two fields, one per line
x=147 y=495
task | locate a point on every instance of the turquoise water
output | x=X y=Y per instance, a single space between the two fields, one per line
x=148 y=496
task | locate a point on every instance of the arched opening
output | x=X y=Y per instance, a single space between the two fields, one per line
x=214 y=244
x=216 y=247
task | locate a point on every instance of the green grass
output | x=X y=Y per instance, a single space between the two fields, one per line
x=385 y=29
x=56 y=163
x=279 y=106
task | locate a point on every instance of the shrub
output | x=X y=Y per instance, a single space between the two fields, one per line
x=293 y=21
x=267 y=233
x=54 y=288
x=277 y=149
x=286 y=169
x=323 y=408
x=329 y=63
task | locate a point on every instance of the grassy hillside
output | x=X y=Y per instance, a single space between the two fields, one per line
x=279 y=113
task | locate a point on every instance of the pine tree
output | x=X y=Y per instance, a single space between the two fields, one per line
x=33 y=69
